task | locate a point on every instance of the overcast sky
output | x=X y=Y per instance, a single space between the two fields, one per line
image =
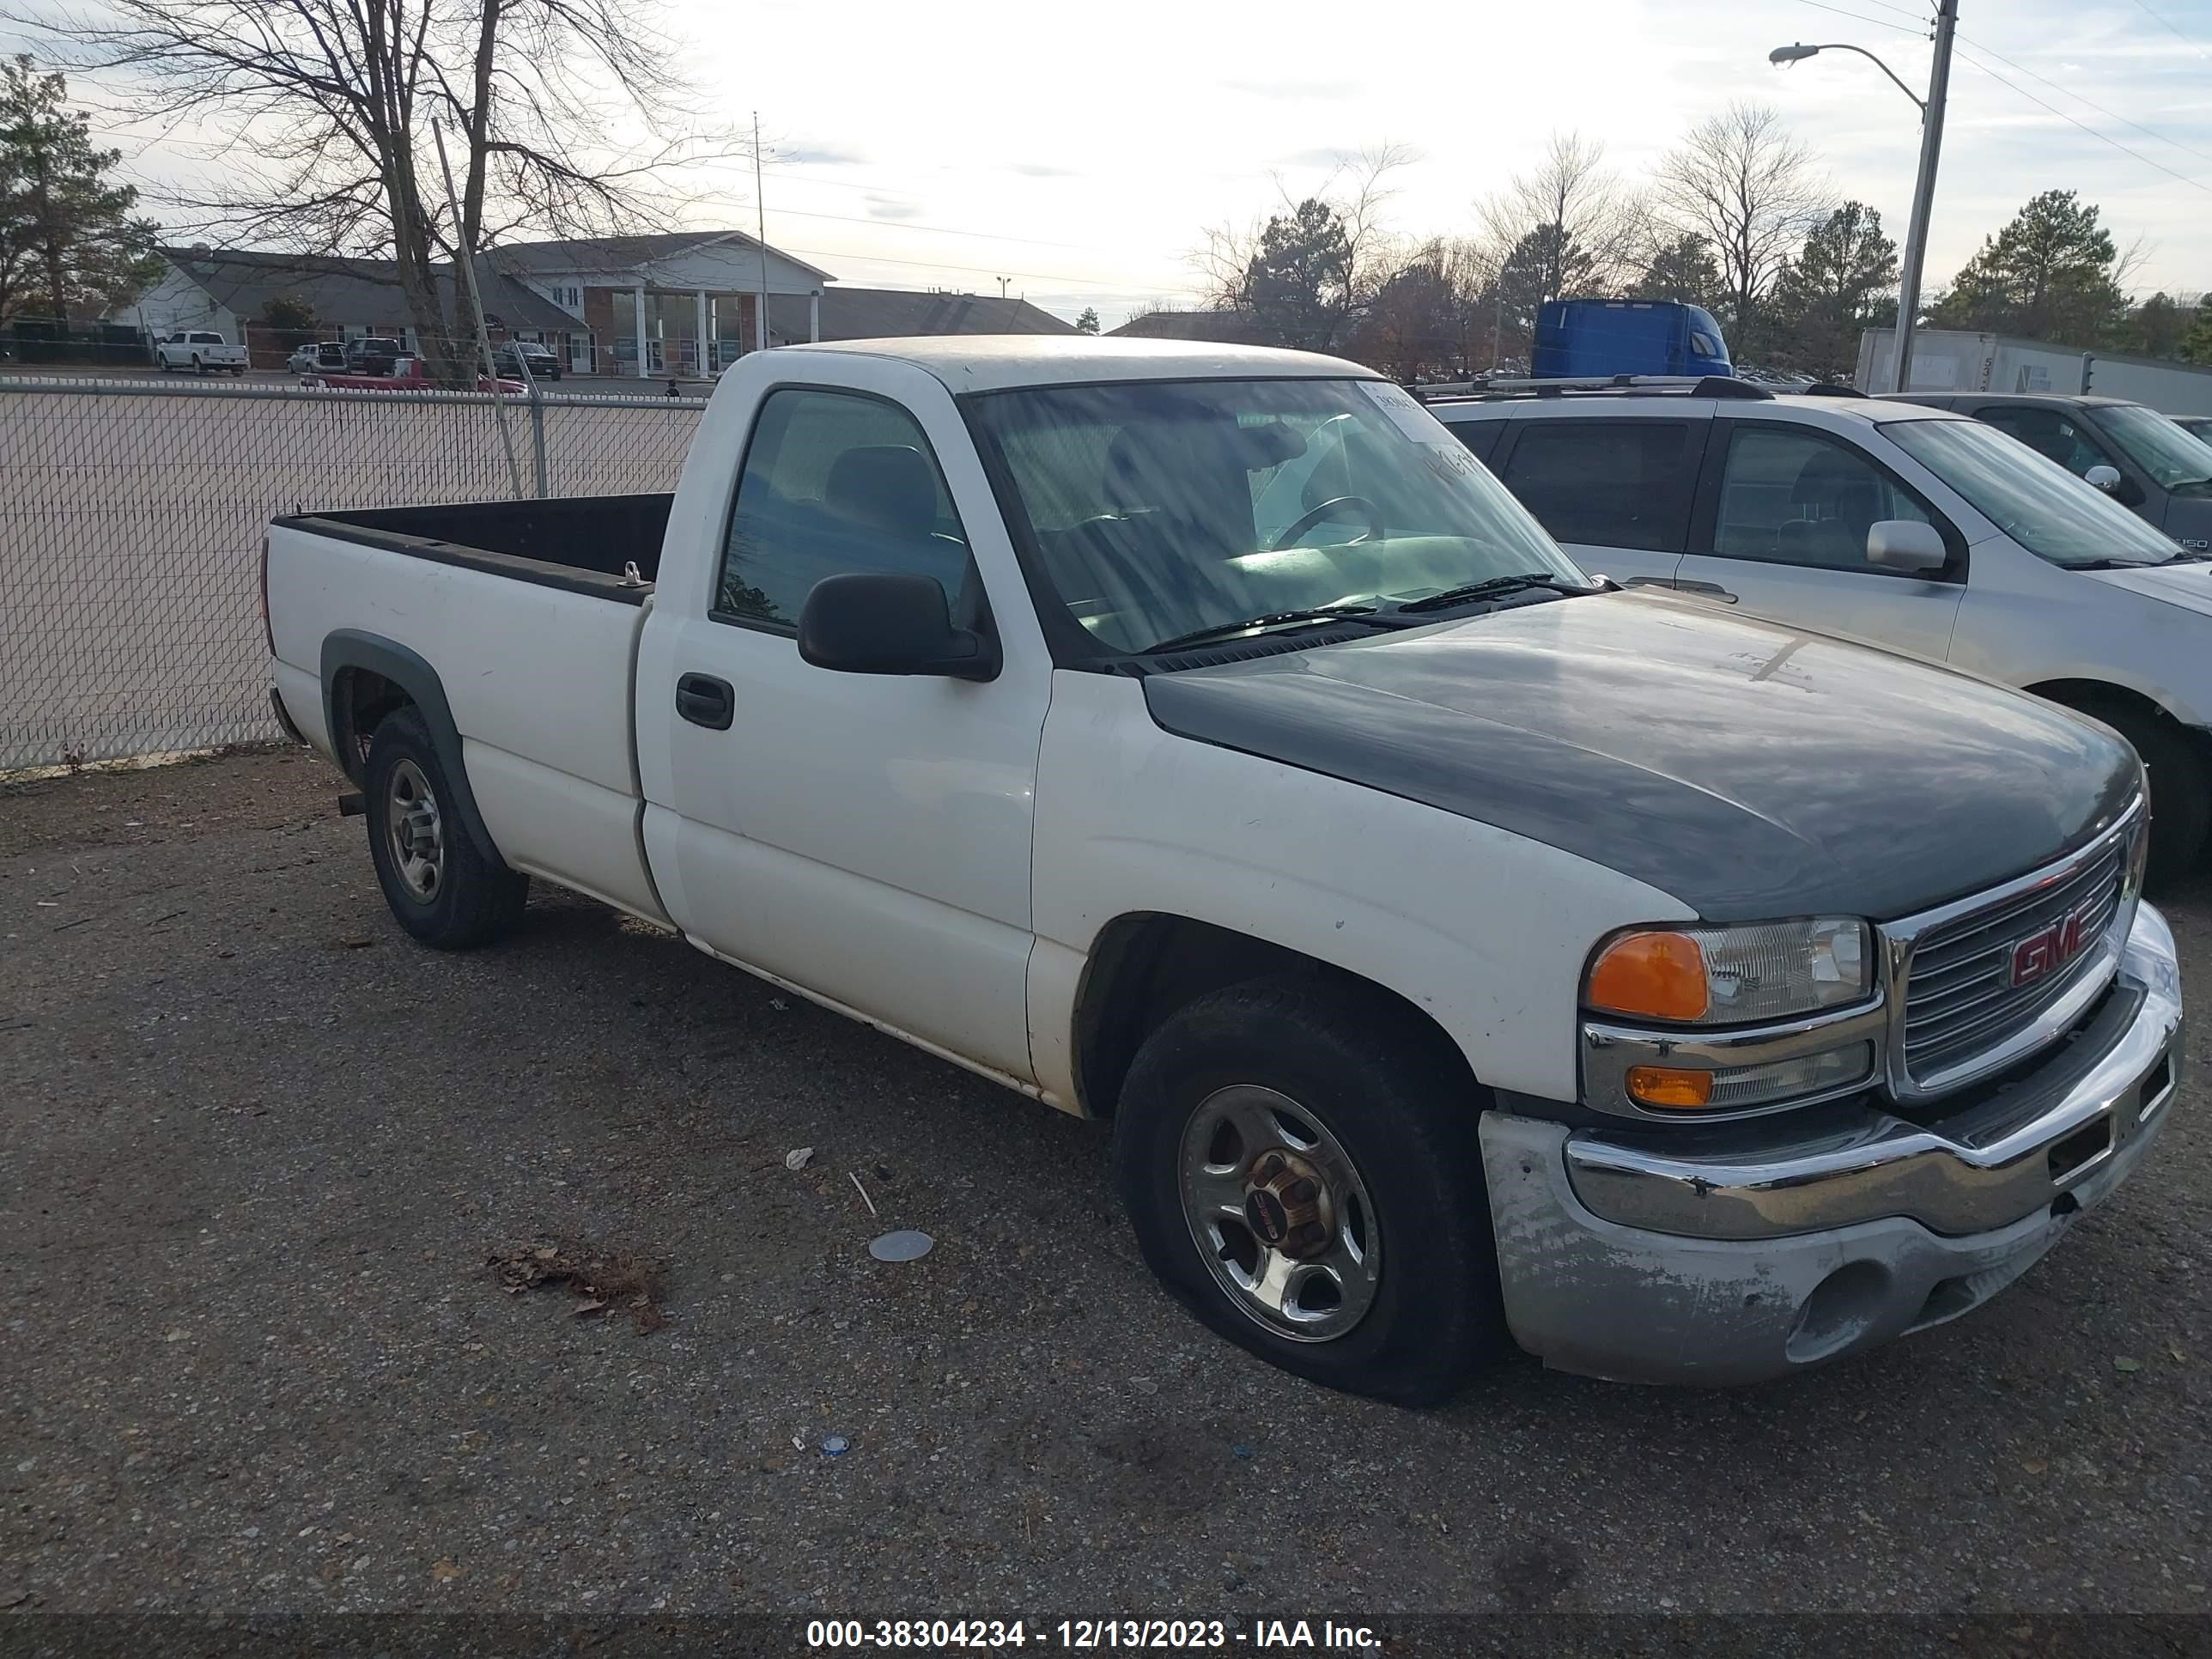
x=1081 y=153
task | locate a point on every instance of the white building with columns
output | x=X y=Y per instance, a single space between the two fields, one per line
x=685 y=303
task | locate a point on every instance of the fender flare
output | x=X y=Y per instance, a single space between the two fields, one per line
x=348 y=648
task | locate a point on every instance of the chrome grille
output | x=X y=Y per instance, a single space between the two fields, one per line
x=1960 y=1002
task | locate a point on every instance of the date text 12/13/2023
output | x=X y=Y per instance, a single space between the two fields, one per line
x=1282 y=1635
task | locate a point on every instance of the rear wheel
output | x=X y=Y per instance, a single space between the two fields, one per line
x=441 y=888
x=2180 y=795
x=1300 y=1161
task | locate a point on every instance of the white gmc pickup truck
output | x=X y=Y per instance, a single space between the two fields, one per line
x=1197 y=736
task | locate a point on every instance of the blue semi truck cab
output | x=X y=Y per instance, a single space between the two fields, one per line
x=1579 y=338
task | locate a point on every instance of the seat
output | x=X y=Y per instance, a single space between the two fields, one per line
x=1834 y=502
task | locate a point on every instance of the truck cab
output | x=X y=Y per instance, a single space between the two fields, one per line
x=1585 y=338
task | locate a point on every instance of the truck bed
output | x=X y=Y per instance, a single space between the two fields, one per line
x=515 y=620
x=580 y=543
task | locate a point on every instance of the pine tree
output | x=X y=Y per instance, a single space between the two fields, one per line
x=1843 y=279
x=68 y=239
x=2048 y=275
x=1088 y=322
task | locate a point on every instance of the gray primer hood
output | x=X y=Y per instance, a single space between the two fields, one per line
x=1752 y=770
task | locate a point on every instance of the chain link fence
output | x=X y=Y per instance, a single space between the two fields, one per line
x=132 y=513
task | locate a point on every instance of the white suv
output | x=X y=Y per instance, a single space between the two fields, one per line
x=1908 y=527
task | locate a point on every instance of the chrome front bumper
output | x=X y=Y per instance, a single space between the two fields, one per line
x=1750 y=1249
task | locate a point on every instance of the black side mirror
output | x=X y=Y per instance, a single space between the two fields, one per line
x=876 y=622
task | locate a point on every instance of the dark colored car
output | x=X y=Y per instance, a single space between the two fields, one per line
x=514 y=356
x=372 y=354
x=2196 y=426
x=2136 y=455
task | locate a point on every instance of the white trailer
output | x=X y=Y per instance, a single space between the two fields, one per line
x=1952 y=359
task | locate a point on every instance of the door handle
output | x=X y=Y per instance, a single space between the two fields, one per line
x=1709 y=590
x=705 y=700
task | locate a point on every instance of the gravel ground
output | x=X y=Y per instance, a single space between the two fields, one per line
x=256 y=1149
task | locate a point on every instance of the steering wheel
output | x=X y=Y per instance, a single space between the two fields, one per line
x=1314 y=515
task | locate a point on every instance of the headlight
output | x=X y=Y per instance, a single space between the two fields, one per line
x=1732 y=976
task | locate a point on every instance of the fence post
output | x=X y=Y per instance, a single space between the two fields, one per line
x=538 y=436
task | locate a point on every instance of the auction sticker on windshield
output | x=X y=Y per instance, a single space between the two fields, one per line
x=1405 y=412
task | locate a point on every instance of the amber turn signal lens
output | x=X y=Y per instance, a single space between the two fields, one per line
x=1658 y=975
x=1669 y=1085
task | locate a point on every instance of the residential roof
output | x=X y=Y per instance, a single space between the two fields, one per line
x=995 y=362
x=619 y=255
x=871 y=313
x=350 y=291
x=1227 y=327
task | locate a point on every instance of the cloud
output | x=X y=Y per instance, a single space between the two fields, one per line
x=819 y=155
x=889 y=207
x=1038 y=170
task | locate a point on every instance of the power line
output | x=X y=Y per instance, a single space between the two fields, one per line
x=2108 y=114
x=2102 y=137
x=1920 y=17
x=1860 y=17
x=2170 y=28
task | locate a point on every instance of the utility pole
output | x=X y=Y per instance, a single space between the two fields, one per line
x=1923 y=192
x=760 y=219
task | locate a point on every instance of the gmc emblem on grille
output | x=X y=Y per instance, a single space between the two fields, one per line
x=2046 y=952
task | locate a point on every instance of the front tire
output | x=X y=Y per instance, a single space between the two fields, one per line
x=441 y=888
x=1300 y=1161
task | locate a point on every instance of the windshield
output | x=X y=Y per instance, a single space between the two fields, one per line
x=2179 y=461
x=2032 y=499
x=1162 y=508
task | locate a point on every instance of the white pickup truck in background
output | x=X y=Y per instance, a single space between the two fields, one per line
x=202 y=350
x=1199 y=737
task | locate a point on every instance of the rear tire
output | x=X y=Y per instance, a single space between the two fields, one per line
x=1300 y=1161
x=2180 y=794
x=441 y=886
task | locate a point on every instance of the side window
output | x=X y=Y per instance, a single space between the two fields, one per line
x=1606 y=484
x=1481 y=437
x=833 y=482
x=2050 y=432
x=1798 y=498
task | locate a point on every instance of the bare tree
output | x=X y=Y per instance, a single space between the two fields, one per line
x=1571 y=219
x=1740 y=180
x=326 y=109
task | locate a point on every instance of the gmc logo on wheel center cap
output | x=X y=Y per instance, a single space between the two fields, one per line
x=2050 y=949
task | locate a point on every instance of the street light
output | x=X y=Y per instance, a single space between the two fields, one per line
x=1923 y=192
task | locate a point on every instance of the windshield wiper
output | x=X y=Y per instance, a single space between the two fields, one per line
x=1319 y=613
x=1494 y=586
